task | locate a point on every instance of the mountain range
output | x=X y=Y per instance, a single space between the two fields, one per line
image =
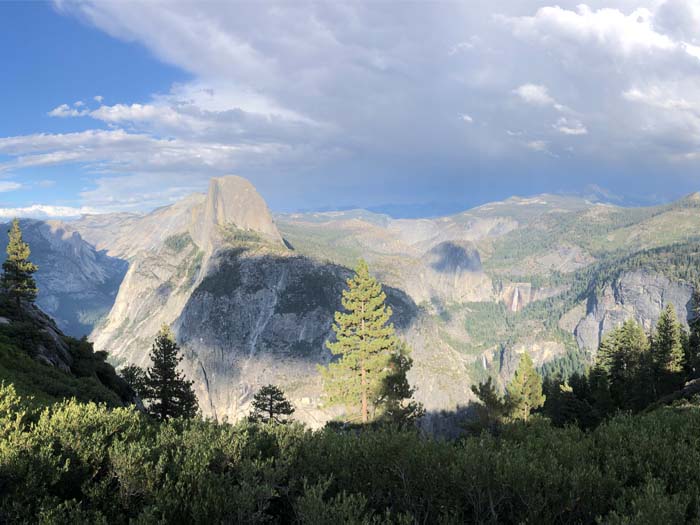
x=251 y=295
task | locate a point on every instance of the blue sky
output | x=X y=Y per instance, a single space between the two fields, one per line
x=412 y=108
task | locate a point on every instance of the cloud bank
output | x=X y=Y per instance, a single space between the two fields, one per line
x=432 y=100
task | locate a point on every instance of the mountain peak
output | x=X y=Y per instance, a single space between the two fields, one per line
x=233 y=200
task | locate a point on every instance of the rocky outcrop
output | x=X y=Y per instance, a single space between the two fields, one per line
x=229 y=202
x=502 y=361
x=637 y=295
x=232 y=201
x=77 y=284
x=40 y=336
x=259 y=318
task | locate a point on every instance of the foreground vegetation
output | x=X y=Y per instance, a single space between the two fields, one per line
x=84 y=463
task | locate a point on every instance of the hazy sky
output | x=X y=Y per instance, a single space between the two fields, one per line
x=411 y=107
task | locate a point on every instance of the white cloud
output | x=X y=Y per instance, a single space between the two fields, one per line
x=64 y=110
x=9 y=186
x=538 y=95
x=98 y=98
x=608 y=28
x=657 y=97
x=570 y=127
x=41 y=211
x=467 y=118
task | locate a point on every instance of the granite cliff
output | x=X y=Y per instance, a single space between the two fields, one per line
x=251 y=296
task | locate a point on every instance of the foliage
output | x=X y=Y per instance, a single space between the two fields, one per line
x=136 y=378
x=632 y=372
x=523 y=397
x=169 y=393
x=667 y=352
x=90 y=377
x=524 y=392
x=84 y=463
x=368 y=349
x=491 y=412
x=17 y=280
x=271 y=406
x=178 y=243
x=399 y=407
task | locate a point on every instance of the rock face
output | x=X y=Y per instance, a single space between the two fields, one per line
x=232 y=201
x=246 y=310
x=77 y=284
x=264 y=318
x=249 y=309
x=635 y=295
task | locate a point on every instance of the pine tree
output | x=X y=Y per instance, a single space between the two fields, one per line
x=524 y=392
x=667 y=352
x=271 y=406
x=169 y=393
x=136 y=378
x=492 y=412
x=621 y=357
x=365 y=341
x=398 y=405
x=17 y=280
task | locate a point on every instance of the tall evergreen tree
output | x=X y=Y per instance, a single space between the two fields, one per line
x=667 y=352
x=17 y=277
x=621 y=356
x=524 y=392
x=169 y=393
x=366 y=342
x=271 y=406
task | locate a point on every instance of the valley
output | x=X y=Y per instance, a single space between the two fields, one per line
x=250 y=295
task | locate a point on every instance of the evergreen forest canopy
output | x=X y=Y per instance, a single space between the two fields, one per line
x=615 y=443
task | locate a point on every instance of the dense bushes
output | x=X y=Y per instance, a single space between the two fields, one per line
x=74 y=463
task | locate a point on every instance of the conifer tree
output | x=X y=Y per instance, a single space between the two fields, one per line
x=398 y=405
x=621 y=356
x=271 y=406
x=169 y=393
x=492 y=411
x=667 y=352
x=524 y=392
x=136 y=378
x=365 y=341
x=17 y=280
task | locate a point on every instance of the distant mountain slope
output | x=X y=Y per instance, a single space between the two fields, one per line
x=77 y=283
x=247 y=310
x=251 y=296
x=538 y=257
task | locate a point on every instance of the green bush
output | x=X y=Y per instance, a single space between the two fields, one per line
x=86 y=463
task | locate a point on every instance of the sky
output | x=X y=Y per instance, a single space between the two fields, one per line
x=412 y=108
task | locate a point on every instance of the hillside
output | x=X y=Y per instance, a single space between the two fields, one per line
x=48 y=366
x=78 y=282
